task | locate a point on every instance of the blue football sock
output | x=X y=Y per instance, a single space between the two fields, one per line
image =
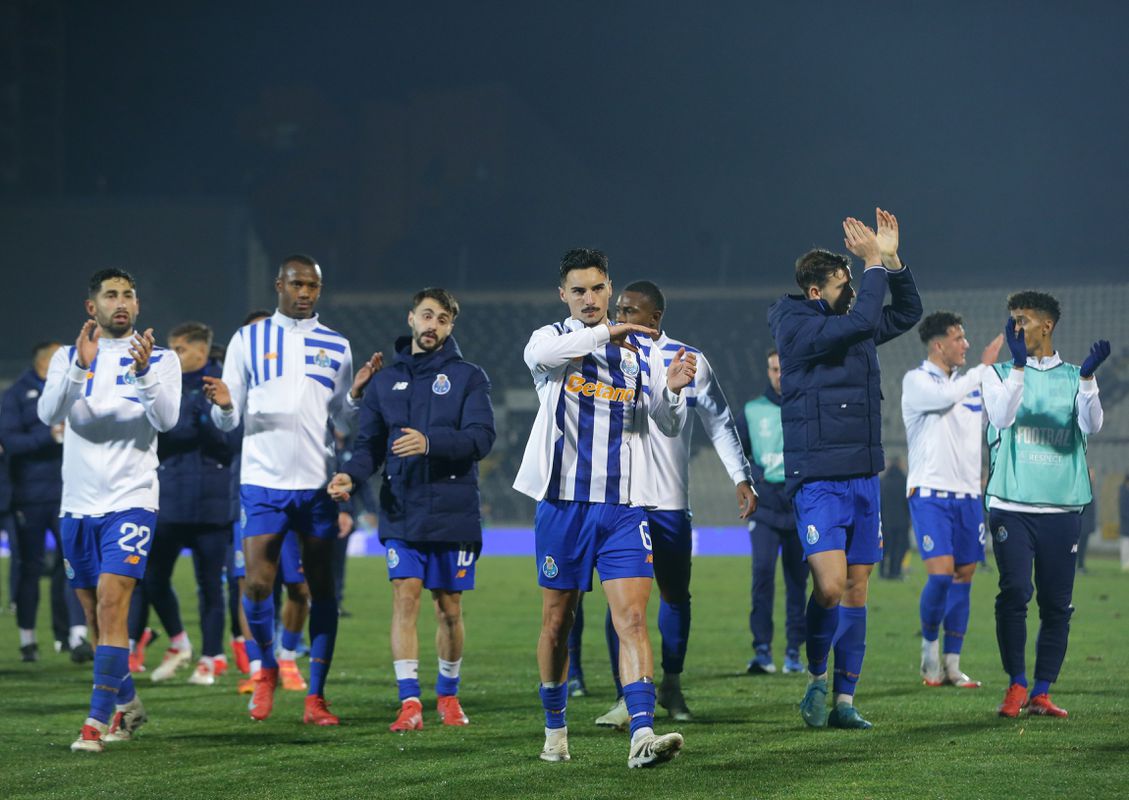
x=127 y=691
x=291 y=639
x=956 y=616
x=554 y=697
x=575 y=670
x=934 y=597
x=253 y=651
x=111 y=665
x=850 y=647
x=260 y=620
x=408 y=687
x=1041 y=687
x=1020 y=678
x=640 y=699
x=323 y=636
x=674 y=628
x=447 y=682
x=822 y=623
x=613 y=651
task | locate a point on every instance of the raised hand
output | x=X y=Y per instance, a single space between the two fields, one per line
x=746 y=500
x=681 y=370
x=621 y=331
x=86 y=345
x=992 y=351
x=887 y=237
x=1016 y=343
x=861 y=241
x=412 y=443
x=217 y=391
x=364 y=374
x=141 y=347
x=340 y=487
x=1099 y=352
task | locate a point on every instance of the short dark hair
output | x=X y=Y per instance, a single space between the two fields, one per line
x=937 y=324
x=583 y=258
x=772 y=351
x=110 y=273
x=815 y=267
x=299 y=258
x=193 y=332
x=650 y=291
x=1036 y=301
x=39 y=347
x=440 y=296
x=258 y=313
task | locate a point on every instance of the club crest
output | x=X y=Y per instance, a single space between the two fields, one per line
x=628 y=364
x=442 y=384
x=68 y=569
x=549 y=568
x=812 y=534
x=927 y=543
x=130 y=375
x=393 y=558
x=322 y=359
x=1001 y=534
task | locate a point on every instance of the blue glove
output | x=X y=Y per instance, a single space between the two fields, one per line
x=1099 y=352
x=1016 y=343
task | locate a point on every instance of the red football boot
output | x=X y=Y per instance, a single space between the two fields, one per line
x=1014 y=701
x=450 y=712
x=242 y=663
x=410 y=718
x=317 y=711
x=262 y=701
x=1041 y=706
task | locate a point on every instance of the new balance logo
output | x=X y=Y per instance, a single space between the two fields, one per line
x=399 y=386
x=577 y=385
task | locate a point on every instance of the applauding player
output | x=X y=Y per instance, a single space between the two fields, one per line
x=1041 y=411
x=116 y=392
x=284 y=377
x=831 y=412
x=589 y=463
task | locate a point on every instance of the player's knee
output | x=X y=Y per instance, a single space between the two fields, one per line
x=631 y=622
x=830 y=594
x=257 y=589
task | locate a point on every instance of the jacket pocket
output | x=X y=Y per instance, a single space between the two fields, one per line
x=842 y=416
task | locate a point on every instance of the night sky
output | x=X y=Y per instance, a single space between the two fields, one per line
x=698 y=145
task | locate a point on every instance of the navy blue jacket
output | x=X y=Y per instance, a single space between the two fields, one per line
x=35 y=459
x=199 y=465
x=829 y=377
x=433 y=497
x=774 y=505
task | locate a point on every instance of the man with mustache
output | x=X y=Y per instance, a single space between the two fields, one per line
x=428 y=420
x=116 y=391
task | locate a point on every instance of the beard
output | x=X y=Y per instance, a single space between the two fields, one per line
x=116 y=329
x=842 y=305
x=428 y=345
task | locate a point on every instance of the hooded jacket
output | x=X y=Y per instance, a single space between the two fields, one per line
x=831 y=407
x=431 y=497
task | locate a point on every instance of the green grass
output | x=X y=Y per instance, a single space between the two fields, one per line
x=747 y=740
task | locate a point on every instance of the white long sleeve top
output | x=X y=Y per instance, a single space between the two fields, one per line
x=287 y=378
x=112 y=418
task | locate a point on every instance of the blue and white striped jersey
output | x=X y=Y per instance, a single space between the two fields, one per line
x=672 y=454
x=112 y=416
x=591 y=441
x=287 y=378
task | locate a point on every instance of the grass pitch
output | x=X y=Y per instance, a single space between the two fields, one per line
x=747 y=740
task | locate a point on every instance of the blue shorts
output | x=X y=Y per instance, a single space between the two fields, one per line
x=116 y=543
x=575 y=537
x=840 y=515
x=307 y=511
x=290 y=560
x=672 y=534
x=948 y=525
x=446 y=566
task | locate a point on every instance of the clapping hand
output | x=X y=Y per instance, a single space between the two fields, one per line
x=862 y=241
x=141 y=347
x=86 y=345
x=1099 y=352
x=887 y=237
x=1016 y=343
x=681 y=371
x=364 y=374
